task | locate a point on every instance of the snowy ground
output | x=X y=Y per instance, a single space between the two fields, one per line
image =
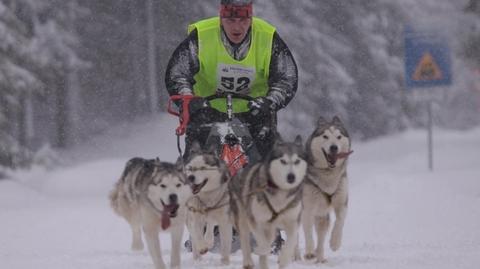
x=401 y=215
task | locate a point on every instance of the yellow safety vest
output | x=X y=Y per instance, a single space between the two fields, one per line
x=218 y=70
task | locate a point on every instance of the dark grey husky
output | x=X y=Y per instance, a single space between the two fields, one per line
x=151 y=195
x=267 y=196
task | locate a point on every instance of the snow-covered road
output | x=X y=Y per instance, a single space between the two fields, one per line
x=400 y=216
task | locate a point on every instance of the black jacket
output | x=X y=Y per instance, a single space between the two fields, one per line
x=184 y=64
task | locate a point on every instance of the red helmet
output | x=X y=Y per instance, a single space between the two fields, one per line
x=236 y=8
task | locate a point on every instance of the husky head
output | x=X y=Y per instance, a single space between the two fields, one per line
x=204 y=169
x=166 y=188
x=287 y=164
x=329 y=144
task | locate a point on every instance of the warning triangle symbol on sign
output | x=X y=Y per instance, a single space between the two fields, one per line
x=427 y=69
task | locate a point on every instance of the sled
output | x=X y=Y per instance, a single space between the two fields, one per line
x=231 y=138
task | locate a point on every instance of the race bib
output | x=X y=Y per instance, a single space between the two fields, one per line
x=235 y=78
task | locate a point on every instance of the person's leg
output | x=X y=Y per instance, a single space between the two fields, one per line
x=263 y=131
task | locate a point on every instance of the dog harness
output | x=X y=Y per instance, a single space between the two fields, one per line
x=204 y=208
x=297 y=199
x=270 y=187
x=310 y=181
x=315 y=170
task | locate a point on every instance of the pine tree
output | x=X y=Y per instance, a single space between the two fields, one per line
x=36 y=49
x=16 y=77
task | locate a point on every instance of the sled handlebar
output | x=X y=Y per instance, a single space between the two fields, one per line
x=184 y=113
x=226 y=95
x=229 y=96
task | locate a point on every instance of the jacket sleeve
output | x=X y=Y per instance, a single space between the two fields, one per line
x=283 y=78
x=183 y=66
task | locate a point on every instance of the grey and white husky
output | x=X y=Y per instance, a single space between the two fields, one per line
x=208 y=176
x=152 y=195
x=326 y=186
x=268 y=196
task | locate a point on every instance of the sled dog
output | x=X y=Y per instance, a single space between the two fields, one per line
x=151 y=195
x=268 y=196
x=326 y=186
x=208 y=177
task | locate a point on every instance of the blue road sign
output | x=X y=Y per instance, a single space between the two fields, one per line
x=427 y=60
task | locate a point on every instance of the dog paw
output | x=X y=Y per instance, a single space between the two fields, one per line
x=335 y=243
x=137 y=246
x=209 y=241
x=225 y=261
x=309 y=256
x=297 y=257
x=249 y=266
x=283 y=260
x=203 y=251
x=322 y=260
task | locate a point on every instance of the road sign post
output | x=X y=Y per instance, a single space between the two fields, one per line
x=427 y=65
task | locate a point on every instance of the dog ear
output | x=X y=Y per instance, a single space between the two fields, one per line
x=321 y=121
x=339 y=124
x=179 y=164
x=298 y=141
x=212 y=148
x=336 y=121
x=149 y=166
x=148 y=163
x=195 y=147
x=278 y=138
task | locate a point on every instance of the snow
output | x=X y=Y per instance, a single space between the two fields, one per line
x=401 y=215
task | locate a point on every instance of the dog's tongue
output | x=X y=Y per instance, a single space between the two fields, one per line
x=165 y=220
x=167 y=211
x=333 y=158
x=343 y=155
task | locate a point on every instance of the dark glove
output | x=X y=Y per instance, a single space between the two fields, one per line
x=261 y=105
x=196 y=104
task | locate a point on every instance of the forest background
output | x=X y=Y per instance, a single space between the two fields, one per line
x=71 y=69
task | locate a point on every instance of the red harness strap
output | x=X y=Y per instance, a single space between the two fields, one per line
x=234 y=157
x=184 y=118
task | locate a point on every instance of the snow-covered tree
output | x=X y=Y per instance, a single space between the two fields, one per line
x=37 y=48
x=17 y=79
